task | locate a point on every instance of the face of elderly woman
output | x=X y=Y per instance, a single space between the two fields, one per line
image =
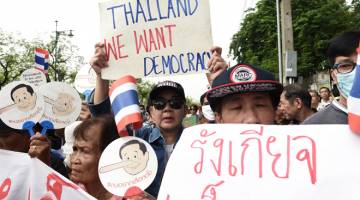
x=85 y=158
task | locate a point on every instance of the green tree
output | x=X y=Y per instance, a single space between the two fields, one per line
x=17 y=55
x=314 y=23
x=144 y=88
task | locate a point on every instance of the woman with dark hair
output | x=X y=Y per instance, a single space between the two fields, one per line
x=91 y=138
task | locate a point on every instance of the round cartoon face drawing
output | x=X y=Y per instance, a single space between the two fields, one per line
x=136 y=156
x=64 y=104
x=24 y=97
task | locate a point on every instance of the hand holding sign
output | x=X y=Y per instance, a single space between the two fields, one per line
x=40 y=148
x=99 y=61
x=216 y=64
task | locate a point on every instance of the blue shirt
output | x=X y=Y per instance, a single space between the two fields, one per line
x=149 y=133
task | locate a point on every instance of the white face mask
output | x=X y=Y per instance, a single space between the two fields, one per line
x=345 y=82
x=208 y=113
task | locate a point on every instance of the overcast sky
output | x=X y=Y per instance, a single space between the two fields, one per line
x=36 y=18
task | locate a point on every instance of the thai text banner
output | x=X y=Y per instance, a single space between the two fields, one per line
x=264 y=162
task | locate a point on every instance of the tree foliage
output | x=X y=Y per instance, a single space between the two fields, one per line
x=315 y=22
x=17 y=55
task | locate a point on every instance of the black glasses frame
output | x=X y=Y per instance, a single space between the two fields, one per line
x=344 y=70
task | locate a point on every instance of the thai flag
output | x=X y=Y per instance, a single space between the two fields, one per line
x=353 y=100
x=41 y=59
x=125 y=104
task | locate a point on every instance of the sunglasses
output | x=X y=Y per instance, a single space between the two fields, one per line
x=160 y=104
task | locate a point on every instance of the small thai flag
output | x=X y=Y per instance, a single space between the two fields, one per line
x=125 y=104
x=41 y=59
x=353 y=100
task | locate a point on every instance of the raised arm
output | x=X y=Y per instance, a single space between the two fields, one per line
x=216 y=64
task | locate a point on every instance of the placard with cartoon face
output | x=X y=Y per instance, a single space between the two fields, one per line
x=33 y=76
x=125 y=163
x=20 y=102
x=62 y=104
x=85 y=80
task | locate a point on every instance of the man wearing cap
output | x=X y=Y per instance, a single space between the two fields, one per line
x=166 y=107
x=245 y=94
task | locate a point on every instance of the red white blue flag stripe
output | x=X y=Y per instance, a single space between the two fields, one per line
x=41 y=59
x=125 y=104
x=353 y=100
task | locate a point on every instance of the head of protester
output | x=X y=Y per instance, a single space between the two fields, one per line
x=166 y=106
x=342 y=56
x=296 y=102
x=206 y=115
x=245 y=94
x=91 y=138
x=315 y=100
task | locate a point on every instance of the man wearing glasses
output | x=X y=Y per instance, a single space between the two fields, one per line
x=166 y=107
x=342 y=56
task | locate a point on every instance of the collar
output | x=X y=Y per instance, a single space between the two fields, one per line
x=156 y=134
x=339 y=106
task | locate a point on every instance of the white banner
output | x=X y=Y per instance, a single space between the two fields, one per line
x=264 y=162
x=155 y=37
x=22 y=177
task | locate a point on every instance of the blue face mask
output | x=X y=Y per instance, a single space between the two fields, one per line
x=345 y=82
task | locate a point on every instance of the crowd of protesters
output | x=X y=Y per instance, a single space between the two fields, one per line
x=243 y=94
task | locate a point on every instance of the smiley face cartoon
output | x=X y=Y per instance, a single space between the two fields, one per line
x=24 y=97
x=136 y=155
x=63 y=105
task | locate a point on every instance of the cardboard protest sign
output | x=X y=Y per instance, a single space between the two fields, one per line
x=33 y=76
x=23 y=177
x=85 y=80
x=126 y=163
x=264 y=162
x=155 y=38
x=62 y=104
x=20 y=103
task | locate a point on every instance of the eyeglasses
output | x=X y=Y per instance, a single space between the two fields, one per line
x=344 y=68
x=160 y=104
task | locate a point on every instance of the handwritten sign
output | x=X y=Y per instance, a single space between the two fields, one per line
x=264 y=162
x=125 y=163
x=23 y=177
x=33 y=76
x=155 y=38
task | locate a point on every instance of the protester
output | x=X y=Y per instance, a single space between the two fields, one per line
x=325 y=98
x=166 y=107
x=36 y=146
x=244 y=94
x=342 y=56
x=315 y=100
x=206 y=115
x=91 y=138
x=296 y=102
x=280 y=118
x=192 y=117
